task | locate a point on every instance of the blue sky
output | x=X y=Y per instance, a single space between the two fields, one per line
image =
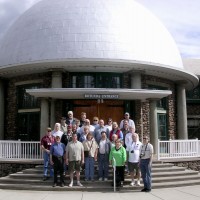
x=181 y=18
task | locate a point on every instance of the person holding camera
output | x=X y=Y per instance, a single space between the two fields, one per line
x=146 y=157
x=133 y=157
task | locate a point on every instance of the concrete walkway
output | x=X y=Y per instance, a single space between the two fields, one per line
x=179 y=193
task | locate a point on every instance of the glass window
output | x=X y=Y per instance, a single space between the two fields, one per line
x=28 y=126
x=193 y=96
x=96 y=80
x=25 y=100
x=86 y=81
x=162 y=103
x=162 y=126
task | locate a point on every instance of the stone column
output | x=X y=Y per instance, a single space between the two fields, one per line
x=2 y=111
x=181 y=112
x=136 y=84
x=44 y=117
x=56 y=82
x=136 y=80
x=153 y=126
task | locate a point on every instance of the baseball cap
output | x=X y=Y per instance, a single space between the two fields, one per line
x=126 y=113
x=70 y=112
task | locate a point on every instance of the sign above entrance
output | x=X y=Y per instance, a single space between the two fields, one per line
x=101 y=96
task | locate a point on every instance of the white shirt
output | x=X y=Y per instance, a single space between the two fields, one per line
x=147 y=150
x=57 y=133
x=109 y=127
x=130 y=123
x=128 y=139
x=133 y=150
x=102 y=146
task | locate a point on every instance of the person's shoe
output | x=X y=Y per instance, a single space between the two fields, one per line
x=100 y=179
x=71 y=184
x=105 y=179
x=92 y=180
x=54 y=185
x=85 y=179
x=148 y=190
x=144 y=190
x=138 y=183
x=62 y=185
x=44 y=178
x=132 y=184
x=79 y=184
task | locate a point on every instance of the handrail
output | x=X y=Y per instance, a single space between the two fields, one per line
x=25 y=150
x=173 y=149
x=114 y=169
x=30 y=150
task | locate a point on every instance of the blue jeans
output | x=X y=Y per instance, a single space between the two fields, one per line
x=146 y=172
x=89 y=168
x=103 y=164
x=46 y=157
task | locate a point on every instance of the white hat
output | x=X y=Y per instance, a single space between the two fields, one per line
x=70 y=112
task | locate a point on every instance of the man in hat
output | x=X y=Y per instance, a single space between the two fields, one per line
x=70 y=119
x=57 y=152
x=46 y=143
x=130 y=121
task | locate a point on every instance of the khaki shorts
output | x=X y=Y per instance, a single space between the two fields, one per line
x=133 y=167
x=74 y=166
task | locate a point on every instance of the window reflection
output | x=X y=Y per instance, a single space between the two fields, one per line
x=96 y=81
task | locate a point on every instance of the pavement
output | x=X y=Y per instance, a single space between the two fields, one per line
x=178 y=193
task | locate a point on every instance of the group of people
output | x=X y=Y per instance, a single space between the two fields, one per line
x=76 y=145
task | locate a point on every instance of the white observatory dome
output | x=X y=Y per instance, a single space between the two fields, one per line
x=117 y=30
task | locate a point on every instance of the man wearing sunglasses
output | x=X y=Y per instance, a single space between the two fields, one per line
x=146 y=157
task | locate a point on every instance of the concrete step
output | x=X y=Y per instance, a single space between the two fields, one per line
x=96 y=186
x=154 y=169
x=21 y=175
x=163 y=175
x=36 y=180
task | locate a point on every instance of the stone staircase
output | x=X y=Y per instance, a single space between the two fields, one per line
x=164 y=175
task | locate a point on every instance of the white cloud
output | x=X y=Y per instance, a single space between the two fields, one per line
x=182 y=19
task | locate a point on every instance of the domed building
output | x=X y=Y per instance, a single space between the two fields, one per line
x=103 y=57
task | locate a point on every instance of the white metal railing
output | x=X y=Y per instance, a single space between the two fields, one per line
x=178 y=149
x=10 y=149
x=29 y=150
